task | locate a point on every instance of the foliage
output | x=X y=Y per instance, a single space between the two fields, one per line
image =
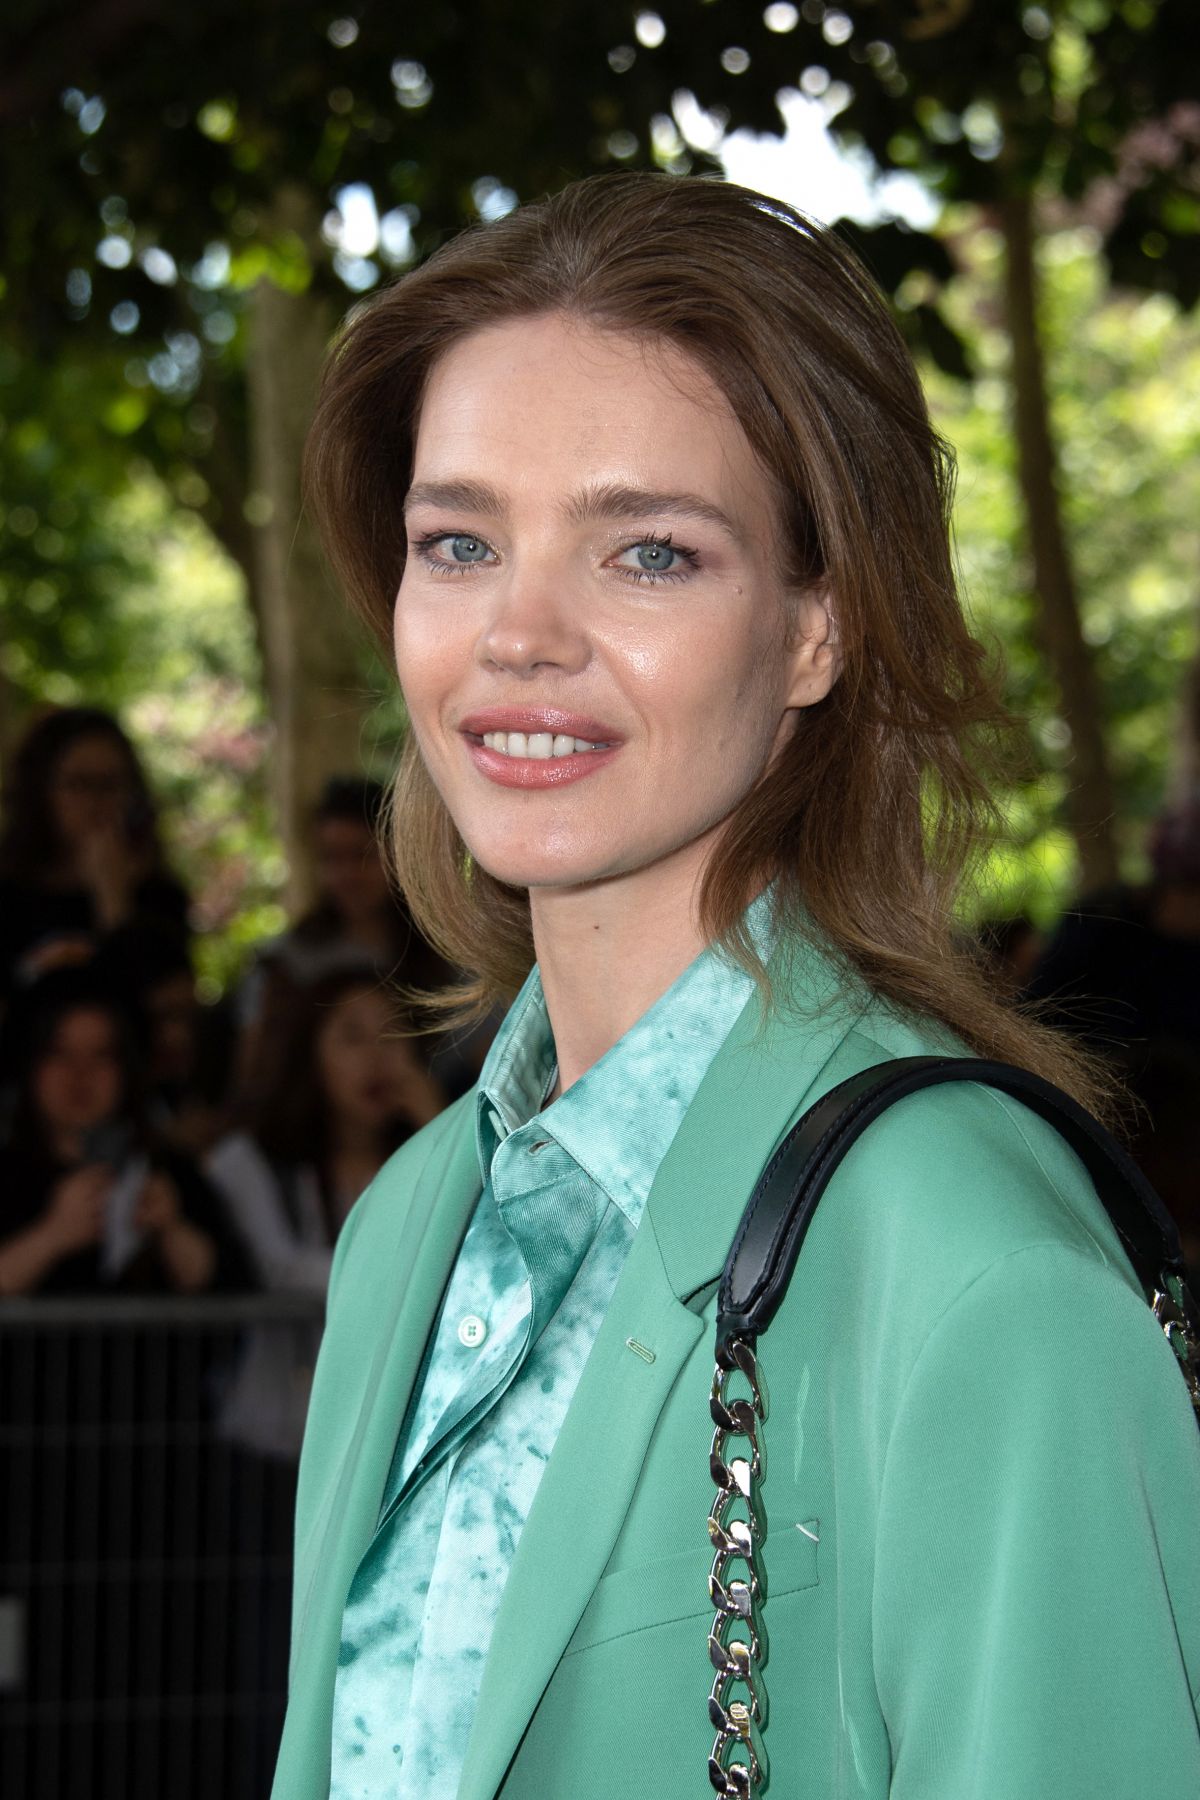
x=160 y=161
x=1125 y=371
x=162 y=164
x=118 y=597
x=62 y=567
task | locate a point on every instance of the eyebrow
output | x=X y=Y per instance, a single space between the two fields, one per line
x=471 y=496
x=608 y=501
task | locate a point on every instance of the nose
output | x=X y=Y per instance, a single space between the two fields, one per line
x=531 y=625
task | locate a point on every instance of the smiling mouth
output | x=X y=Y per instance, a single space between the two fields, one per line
x=539 y=746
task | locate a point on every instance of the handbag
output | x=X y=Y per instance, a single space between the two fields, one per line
x=754 y=1282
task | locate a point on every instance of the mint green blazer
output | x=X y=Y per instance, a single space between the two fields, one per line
x=982 y=1484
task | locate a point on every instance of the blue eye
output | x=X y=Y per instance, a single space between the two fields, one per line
x=465 y=549
x=453 y=552
x=657 y=557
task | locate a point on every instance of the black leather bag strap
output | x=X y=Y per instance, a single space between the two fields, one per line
x=781 y=1208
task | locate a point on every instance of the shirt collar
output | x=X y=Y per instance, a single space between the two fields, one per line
x=618 y=1120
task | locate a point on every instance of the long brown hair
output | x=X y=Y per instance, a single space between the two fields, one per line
x=866 y=820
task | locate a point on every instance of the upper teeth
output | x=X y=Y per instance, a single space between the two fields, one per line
x=535 y=743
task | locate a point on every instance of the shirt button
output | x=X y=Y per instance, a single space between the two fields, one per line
x=471 y=1331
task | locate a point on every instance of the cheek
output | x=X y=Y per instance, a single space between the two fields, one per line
x=415 y=641
x=68 y=815
x=46 y=1088
x=434 y=638
x=329 y=1062
x=734 y=710
x=342 y=1071
x=106 y=1087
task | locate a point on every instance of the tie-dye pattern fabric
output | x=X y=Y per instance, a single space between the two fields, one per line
x=564 y=1191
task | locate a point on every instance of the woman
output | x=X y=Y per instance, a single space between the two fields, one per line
x=357 y=921
x=89 y=1200
x=347 y=1092
x=643 y=481
x=79 y=854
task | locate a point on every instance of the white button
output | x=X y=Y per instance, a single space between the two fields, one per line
x=471 y=1331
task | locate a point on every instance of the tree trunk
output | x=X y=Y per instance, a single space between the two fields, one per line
x=14 y=713
x=1090 y=802
x=312 y=650
x=1183 y=781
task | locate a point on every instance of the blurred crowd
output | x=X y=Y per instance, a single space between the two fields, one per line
x=152 y=1144
x=1120 y=972
x=149 y=1143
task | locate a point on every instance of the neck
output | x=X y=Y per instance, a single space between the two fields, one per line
x=369 y=928
x=354 y=1139
x=63 y=871
x=65 y=1145
x=607 y=951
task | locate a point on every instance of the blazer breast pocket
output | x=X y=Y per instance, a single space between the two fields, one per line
x=646 y=1595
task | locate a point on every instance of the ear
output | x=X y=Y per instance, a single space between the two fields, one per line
x=814 y=652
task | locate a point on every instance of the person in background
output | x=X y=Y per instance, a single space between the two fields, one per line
x=1122 y=968
x=347 y=1091
x=1122 y=972
x=358 y=920
x=1165 y=1136
x=188 y=1048
x=1007 y=948
x=90 y=1200
x=79 y=853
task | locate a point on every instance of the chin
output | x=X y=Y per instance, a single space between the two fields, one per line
x=541 y=868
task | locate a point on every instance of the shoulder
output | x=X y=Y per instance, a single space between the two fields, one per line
x=955 y=1191
x=964 y=1173
x=237 y=1157
x=961 y=1249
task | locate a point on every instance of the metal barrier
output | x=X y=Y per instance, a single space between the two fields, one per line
x=145 y=1544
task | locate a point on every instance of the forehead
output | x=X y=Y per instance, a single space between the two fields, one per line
x=83 y=1027
x=556 y=403
x=359 y=1006
x=94 y=750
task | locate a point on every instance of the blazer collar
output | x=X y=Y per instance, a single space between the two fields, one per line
x=765 y=1074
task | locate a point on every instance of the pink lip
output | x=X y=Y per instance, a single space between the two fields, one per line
x=538 y=718
x=537 y=771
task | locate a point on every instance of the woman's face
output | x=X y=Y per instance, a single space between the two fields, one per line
x=91 y=787
x=77 y=1082
x=349 y=869
x=363 y=1068
x=591 y=630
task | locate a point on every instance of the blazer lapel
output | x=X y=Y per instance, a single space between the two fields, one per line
x=579 y=1506
x=365 y=1384
x=759 y=1081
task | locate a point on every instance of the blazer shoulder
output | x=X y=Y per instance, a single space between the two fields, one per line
x=963 y=1175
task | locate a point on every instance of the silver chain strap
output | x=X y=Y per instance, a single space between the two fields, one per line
x=736 y=1703
x=1174 y=1309
x=737 y=1766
